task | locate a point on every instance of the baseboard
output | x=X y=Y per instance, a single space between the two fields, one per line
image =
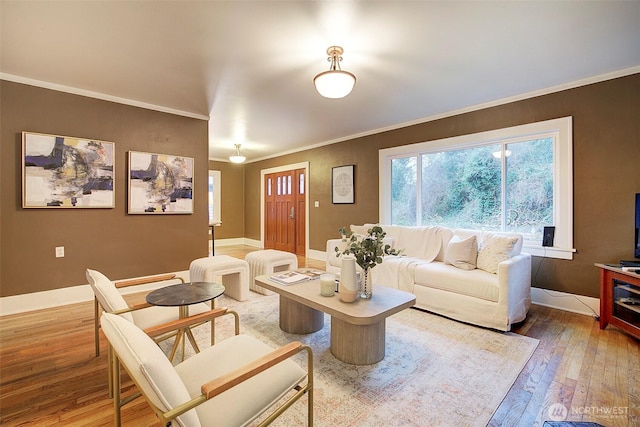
x=317 y=255
x=75 y=294
x=238 y=241
x=564 y=301
x=16 y=304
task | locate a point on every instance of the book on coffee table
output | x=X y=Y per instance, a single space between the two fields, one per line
x=296 y=276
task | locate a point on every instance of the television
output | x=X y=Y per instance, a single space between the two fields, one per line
x=637 y=246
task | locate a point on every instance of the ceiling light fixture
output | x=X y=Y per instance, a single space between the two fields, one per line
x=237 y=157
x=334 y=83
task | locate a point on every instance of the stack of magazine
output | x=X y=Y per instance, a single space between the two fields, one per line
x=296 y=276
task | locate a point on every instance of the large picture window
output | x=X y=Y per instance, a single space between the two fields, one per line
x=516 y=179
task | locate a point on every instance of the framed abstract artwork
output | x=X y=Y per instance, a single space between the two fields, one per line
x=160 y=184
x=67 y=172
x=342 y=190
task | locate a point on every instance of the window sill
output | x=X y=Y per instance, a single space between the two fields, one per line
x=548 y=251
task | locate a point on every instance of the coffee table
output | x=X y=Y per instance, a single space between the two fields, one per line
x=183 y=295
x=357 y=328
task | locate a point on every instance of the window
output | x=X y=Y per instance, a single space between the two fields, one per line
x=214 y=196
x=516 y=179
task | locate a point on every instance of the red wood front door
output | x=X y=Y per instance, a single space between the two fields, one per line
x=285 y=211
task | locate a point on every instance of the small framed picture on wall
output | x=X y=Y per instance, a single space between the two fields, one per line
x=342 y=190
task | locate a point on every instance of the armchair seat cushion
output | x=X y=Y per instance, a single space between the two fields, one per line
x=256 y=394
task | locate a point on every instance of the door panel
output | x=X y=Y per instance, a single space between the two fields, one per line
x=284 y=222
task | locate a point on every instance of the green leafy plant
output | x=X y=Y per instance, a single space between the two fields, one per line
x=369 y=249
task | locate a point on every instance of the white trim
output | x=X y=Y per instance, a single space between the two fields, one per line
x=263 y=172
x=98 y=95
x=317 y=255
x=564 y=301
x=71 y=295
x=237 y=241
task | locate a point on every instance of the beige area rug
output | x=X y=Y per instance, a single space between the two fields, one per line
x=436 y=372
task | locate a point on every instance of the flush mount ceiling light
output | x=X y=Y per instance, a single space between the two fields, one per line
x=237 y=157
x=334 y=83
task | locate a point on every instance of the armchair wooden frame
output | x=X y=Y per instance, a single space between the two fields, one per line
x=221 y=384
x=97 y=308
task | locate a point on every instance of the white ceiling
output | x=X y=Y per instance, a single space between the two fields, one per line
x=249 y=65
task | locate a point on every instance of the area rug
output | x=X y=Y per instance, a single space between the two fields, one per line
x=436 y=372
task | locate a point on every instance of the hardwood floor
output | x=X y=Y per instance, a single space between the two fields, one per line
x=49 y=373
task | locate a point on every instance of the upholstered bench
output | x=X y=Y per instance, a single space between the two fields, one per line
x=268 y=261
x=234 y=273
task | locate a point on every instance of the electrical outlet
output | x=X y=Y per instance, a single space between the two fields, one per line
x=316 y=204
x=59 y=251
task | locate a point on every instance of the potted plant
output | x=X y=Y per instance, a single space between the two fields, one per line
x=368 y=251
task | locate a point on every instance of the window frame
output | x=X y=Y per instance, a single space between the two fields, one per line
x=560 y=128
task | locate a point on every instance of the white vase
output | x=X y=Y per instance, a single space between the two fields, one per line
x=348 y=288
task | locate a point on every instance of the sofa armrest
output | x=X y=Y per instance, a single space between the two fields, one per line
x=332 y=262
x=514 y=278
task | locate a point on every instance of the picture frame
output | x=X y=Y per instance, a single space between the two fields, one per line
x=63 y=172
x=342 y=188
x=159 y=184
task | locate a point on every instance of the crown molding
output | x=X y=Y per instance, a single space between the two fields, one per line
x=98 y=95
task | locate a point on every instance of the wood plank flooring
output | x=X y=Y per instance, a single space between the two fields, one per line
x=49 y=374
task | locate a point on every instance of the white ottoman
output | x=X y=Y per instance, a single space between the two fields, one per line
x=268 y=261
x=234 y=273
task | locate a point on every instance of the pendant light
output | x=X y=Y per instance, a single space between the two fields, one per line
x=237 y=157
x=334 y=83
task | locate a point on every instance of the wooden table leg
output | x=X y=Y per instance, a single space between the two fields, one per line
x=357 y=344
x=297 y=318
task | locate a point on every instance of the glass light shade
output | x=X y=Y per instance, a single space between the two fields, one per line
x=334 y=83
x=237 y=157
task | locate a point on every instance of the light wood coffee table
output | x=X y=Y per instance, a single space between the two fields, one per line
x=357 y=328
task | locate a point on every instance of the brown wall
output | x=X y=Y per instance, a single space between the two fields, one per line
x=606 y=175
x=109 y=240
x=231 y=199
x=606 y=140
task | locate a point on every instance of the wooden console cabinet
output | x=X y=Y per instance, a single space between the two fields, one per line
x=619 y=299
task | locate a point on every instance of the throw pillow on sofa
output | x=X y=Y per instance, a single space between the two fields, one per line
x=493 y=250
x=462 y=253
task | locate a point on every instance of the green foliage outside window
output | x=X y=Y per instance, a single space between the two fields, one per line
x=463 y=188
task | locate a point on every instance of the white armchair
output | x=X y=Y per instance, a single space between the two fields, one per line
x=229 y=384
x=109 y=299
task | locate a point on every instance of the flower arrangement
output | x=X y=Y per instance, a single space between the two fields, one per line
x=368 y=250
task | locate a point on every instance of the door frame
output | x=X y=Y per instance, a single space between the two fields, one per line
x=292 y=166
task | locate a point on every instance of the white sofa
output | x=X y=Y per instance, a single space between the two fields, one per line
x=487 y=284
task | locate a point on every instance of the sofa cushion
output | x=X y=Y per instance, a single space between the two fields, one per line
x=361 y=229
x=474 y=283
x=493 y=250
x=461 y=253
